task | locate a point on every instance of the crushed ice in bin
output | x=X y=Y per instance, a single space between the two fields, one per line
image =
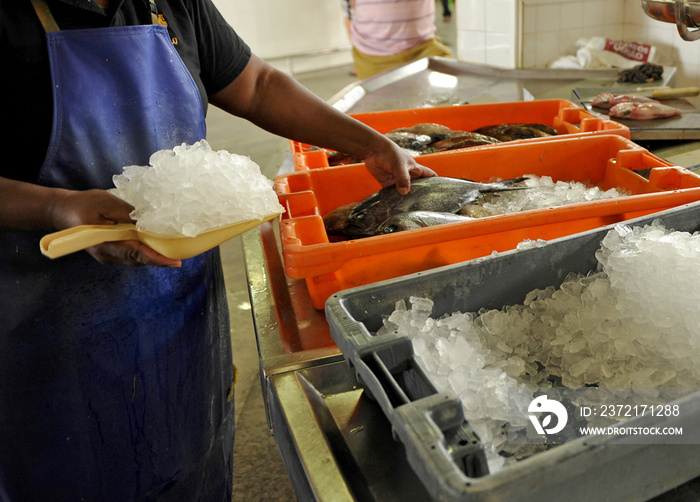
x=192 y=188
x=632 y=323
x=544 y=193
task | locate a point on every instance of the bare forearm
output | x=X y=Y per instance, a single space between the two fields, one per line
x=27 y=206
x=280 y=105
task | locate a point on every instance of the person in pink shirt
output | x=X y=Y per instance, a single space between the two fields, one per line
x=388 y=33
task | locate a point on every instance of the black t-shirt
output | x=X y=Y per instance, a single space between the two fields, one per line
x=209 y=47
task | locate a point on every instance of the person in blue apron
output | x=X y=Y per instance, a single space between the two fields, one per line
x=116 y=380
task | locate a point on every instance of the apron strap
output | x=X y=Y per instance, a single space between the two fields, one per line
x=50 y=25
x=45 y=16
x=154 y=12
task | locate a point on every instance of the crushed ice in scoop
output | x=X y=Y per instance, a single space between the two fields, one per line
x=192 y=189
x=634 y=323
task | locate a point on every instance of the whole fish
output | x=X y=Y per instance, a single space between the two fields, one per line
x=464 y=140
x=643 y=111
x=418 y=219
x=409 y=140
x=336 y=220
x=512 y=132
x=341 y=159
x=607 y=100
x=435 y=131
x=440 y=194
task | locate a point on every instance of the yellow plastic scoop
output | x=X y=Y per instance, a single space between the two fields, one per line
x=176 y=247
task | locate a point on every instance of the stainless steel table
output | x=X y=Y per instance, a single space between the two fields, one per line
x=334 y=440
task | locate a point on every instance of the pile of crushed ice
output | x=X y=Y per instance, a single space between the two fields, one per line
x=543 y=193
x=633 y=323
x=192 y=188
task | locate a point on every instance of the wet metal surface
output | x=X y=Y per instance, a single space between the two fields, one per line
x=441 y=82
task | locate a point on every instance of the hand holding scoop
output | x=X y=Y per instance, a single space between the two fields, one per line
x=176 y=247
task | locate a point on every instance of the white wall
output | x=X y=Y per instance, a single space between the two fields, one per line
x=295 y=36
x=551 y=29
x=488 y=32
x=309 y=34
x=530 y=33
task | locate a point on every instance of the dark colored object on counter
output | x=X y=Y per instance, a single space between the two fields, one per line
x=641 y=74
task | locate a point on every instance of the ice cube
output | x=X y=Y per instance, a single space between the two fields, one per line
x=191 y=189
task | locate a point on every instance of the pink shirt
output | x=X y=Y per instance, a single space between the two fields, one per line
x=386 y=27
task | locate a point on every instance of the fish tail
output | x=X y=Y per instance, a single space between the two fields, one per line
x=505 y=185
x=513 y=181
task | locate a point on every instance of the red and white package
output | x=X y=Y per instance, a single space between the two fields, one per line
x=636 y=51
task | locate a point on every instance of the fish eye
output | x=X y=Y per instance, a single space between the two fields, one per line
x=390 y=229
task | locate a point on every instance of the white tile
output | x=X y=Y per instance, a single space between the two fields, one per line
x=500 y=16
x=593 y=13
x=529 y=52
x=571 y=15
x=500 y=50
x=529 y=19
x=595 y=31
x=634 y=12
x=548 y=17
x=688 y=53
x=471 y=15
x=663 y=34
x=613 y=11
x=471 y=46
x=547 y=48
x=613 y=31
x=568 y=39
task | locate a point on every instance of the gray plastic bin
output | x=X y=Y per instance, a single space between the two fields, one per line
x=440 y=445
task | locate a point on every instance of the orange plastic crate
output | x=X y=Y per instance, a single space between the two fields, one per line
x=607 y=161
x=566 y=117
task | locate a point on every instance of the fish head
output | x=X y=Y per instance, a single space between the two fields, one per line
x=400 y=223
x=337 y=219
x=603 y=100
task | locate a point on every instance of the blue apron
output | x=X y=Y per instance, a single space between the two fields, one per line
x=115 y=381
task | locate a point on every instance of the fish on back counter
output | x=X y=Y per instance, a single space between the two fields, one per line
x=607 y=100
x=633 y=107
x=643 y=111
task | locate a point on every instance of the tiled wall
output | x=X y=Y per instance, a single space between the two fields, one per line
x=530 y=33
x=294 y=36
x=551 y=29
x=487 y=32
